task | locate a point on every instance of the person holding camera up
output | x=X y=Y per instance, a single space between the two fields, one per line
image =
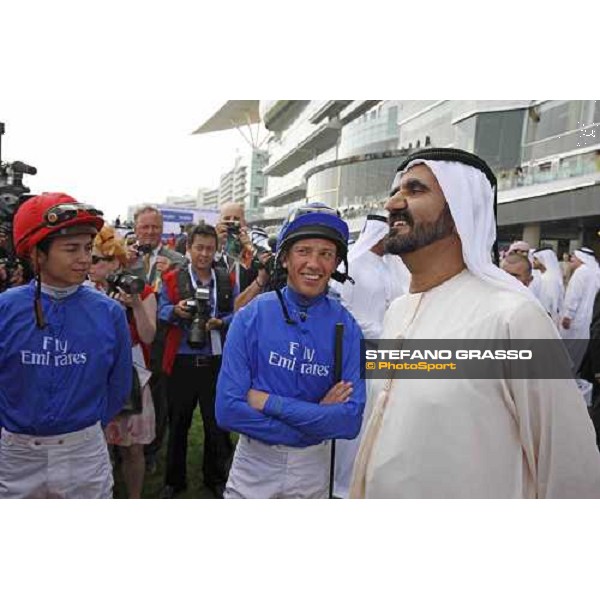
x=235 y=247
x=196 y=302
x=134 y=426
x=149 y=258
x=65 y=359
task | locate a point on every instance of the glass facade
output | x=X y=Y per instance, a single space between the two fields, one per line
x=375 y=131
x=559 y=126
x=498 y=138
x=432 y=127
x=365 y=184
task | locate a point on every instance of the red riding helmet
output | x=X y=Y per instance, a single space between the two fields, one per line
x=52 y=214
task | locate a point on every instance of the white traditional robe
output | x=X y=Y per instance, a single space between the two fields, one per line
x=578 y=306
x=378 y=280
x=551 y=295
x=475 y=438
x=536 y=284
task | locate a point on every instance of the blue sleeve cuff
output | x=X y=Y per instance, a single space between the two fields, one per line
x=273 y=406
x=167 y=313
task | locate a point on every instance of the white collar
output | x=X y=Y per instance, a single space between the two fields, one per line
x=59 y=293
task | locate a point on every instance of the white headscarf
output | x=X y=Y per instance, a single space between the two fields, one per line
x=471 y=201
x=549 y=259
x=586 y=256
x=374 y=230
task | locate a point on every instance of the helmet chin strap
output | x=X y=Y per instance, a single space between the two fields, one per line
x=40 y=321
x=342 y=277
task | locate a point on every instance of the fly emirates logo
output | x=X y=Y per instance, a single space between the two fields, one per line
x=54 y=353
x=291 y=363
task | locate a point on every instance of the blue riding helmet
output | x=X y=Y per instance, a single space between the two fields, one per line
x=314 y=220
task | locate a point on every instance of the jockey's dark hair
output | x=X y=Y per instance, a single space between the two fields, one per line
x=466 y=158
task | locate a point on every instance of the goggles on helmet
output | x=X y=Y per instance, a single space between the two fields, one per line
x=309 y=209
x=61 y=213
x=314 y=220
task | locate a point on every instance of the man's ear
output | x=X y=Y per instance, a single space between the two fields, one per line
x=283 y=260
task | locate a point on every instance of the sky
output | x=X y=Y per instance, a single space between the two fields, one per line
x=113 y=156
x=102 y=97
x=105 y=108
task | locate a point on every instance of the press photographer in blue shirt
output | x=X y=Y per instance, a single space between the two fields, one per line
x=196 y=303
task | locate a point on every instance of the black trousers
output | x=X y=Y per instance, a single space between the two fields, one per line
x=193 y=381
x=158 y=387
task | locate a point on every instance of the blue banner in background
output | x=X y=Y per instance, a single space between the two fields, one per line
x=175 y=216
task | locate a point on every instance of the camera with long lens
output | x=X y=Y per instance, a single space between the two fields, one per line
x=263 y=243
x=199 y=308
x=12 y=190
x=126 y=282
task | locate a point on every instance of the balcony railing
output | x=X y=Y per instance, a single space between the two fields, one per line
x=567 y=168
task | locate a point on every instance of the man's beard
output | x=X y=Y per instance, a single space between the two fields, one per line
x=419 y=235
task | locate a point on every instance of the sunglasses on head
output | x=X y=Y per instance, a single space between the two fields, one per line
x=61 y=213
x=97 y=259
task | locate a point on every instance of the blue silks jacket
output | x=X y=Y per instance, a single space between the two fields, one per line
x=294 y=364
x=69 y=375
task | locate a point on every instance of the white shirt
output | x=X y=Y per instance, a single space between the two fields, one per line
x=378 y=280
x=551 y=295
x=475 y=438
x=579 y=303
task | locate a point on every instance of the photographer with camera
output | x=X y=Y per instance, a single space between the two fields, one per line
x=235 y=247
x=134 y=426
x=149 y=258
x=65 y=366
x=196 y=303
x=264 y=265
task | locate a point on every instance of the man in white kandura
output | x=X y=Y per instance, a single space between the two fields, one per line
x=579 y=303
x=466 y=438
x=379 y=278
x=552 y=288
x=523 y=248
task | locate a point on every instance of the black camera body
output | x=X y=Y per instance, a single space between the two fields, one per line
x=143 y=249
x=233 y=227
x=268 y=266
x=12 y=190
x=130 y=284
x=233 y=245
x=9 y=264
x=199 y=308
x=9 y=267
